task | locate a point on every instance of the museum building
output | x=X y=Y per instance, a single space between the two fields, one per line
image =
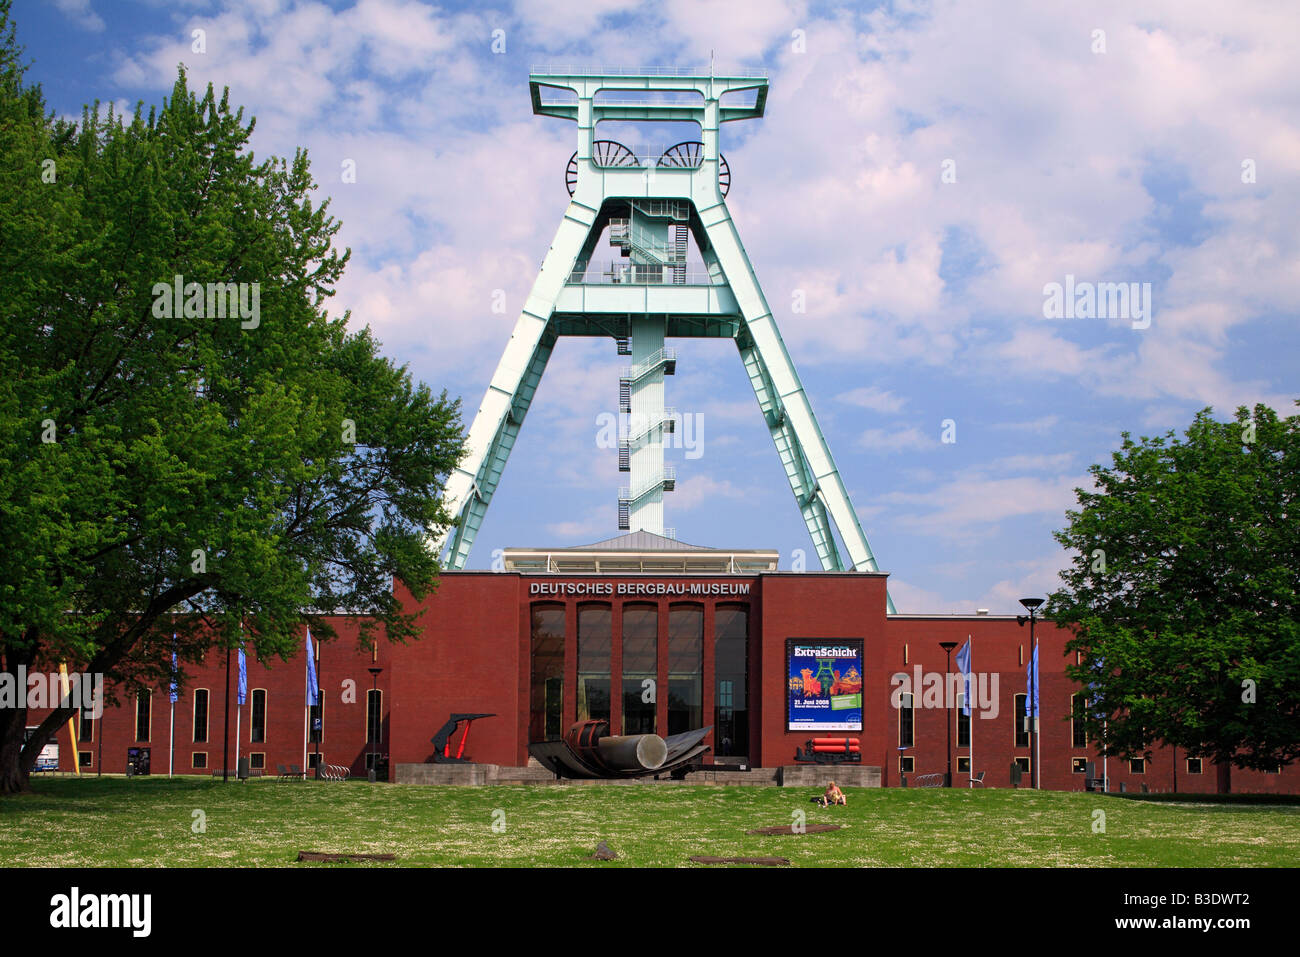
x=652 y=635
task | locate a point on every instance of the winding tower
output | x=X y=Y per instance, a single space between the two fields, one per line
x=652 y=205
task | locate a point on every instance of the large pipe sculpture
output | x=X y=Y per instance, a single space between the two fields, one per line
x=589 y=751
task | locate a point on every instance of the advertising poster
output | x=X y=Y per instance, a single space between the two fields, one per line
x=824 y=684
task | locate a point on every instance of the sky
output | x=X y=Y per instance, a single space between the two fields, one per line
x=923 y=176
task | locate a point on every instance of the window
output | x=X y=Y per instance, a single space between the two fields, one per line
x=1272 y=769
x=142 y=702
x=1024 y=764
x=1078 y=731
x=963 y=722
x=906 y=722
x=546 y=710
x=905 y=764
x=963 y=765
x=199 y=760
x=86 y=758
x=314 y=759
x=257 y=717
x=1137 y=766
x=685 y=668
x=201 y=714
x=1022 y=725
x=257 y=759
x=595 y=644
x=640 y=668
x=1194 y=766
x=374 y=715
x=731 y=680
x=86 y=726
x=1078 y=765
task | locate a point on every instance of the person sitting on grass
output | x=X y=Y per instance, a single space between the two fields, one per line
x=832 y=795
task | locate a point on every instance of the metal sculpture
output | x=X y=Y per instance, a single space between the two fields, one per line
x=442 y=740
x=829 y=751
x=652 y=207
x=589 y=751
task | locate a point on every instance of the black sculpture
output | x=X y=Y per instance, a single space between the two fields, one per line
x=442 y=740
x=589 y=751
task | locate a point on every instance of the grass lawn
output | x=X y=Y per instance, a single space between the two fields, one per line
x=115 y=822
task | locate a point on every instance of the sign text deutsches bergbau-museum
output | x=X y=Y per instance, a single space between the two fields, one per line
x=638 y=588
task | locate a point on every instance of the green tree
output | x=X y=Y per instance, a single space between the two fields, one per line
x=1184 y=594
x=188 y=469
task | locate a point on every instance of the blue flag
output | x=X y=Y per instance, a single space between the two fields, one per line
x=312 y=691
x=242 y=692
x=172 y=692
x=963 y=665
x=1031 y=702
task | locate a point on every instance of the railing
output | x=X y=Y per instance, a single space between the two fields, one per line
x=625 y=233
x=673 y=209
x=666 y=418
x=661 y=357
x=574 y=69
x=646 y=158
x=669 y=476
x=618 y=272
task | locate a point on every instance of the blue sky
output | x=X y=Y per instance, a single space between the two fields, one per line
x=1110 y=157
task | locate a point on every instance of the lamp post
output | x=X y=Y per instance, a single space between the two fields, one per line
x=1031 y=605
x=373 y=727
x=947 y=647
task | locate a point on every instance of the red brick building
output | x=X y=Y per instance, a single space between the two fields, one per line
x=604 y=631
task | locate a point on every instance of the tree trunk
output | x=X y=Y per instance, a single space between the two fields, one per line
x=17 y=760
x=1224 y=769
x=13 y=774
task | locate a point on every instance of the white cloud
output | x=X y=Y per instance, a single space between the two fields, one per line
x=957 y=508
x=81 y=13
x=898 y=440
x=874 y=398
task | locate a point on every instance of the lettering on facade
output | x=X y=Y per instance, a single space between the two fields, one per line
x=638 y=588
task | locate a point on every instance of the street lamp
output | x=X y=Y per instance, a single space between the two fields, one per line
x=1031 y=605
x=374 y=731
x=947 y=647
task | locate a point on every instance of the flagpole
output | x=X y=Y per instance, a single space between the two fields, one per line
x=225 y=747
x=305 y=712
x=1105 y=781
x=970 y=723
x=239 y=692
x=171 y=695
x=320 y=711
x=1038 y=734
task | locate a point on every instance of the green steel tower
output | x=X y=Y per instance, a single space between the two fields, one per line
x=652 y=205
